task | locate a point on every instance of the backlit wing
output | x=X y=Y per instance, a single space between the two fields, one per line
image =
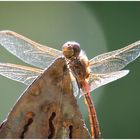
x=19 y=73
x=75 y=87
x=98 y=80
x=28 y=50
x=115 y=60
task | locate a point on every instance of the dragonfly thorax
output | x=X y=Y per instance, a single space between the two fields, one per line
x=79 y=69
x=71 y=50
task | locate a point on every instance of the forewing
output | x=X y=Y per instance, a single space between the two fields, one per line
x=115 y=60
x=19 y=73
x=28 y=50
x=75 y=87
x=98 y=80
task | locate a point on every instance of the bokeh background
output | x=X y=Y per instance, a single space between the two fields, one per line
x=99 y=27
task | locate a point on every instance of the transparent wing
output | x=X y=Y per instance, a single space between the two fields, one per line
x=19 y=73
x=28 y=50
x=98 y=80
x=75 y=87
x=115 y=60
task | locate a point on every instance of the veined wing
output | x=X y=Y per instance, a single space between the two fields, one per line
x=19 y=73
x=115 y=60
x=75 y=87
x=98 y=80
x=28 y=50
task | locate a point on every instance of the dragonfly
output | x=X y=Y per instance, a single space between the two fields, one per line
x=87 y=75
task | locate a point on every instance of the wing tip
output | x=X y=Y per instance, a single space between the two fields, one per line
x=122 y=73
x=125 y=72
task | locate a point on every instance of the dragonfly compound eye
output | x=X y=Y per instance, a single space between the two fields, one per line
x=71 y=50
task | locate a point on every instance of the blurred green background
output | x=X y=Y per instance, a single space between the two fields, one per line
x=99 y=27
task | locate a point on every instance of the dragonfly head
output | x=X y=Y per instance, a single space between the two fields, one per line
x=71 y=50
